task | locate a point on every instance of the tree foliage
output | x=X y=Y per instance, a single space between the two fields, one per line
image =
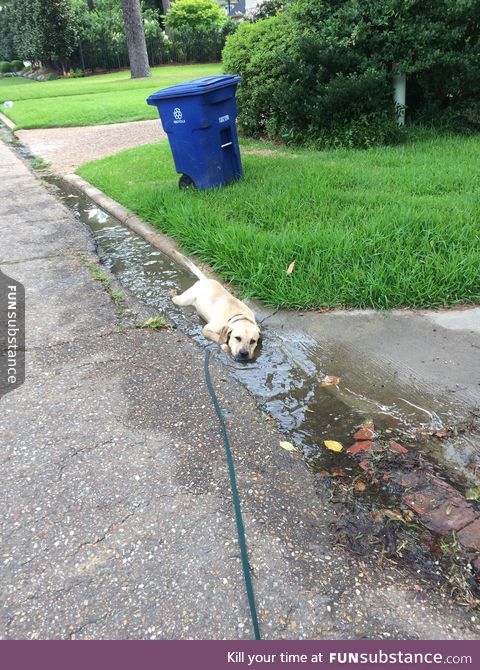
x=267 y=8
x=194 y=15
x=321 y=70
x=37 y=30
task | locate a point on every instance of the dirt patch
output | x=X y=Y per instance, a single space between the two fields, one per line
x=67 y=148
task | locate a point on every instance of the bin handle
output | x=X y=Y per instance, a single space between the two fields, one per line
x=227 y=144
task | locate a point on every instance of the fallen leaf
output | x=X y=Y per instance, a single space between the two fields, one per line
x=321 y=474
x=290 y=268
x=408 y=515
x=365 y=432
x=310 y=410
x=333 y=445
x=359 y=447
x=359 y=485
x=396 y=446
x=329 y=380
x=288 y=446
x=442 y=433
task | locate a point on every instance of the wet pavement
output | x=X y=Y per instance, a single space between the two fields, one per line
x=118 y=520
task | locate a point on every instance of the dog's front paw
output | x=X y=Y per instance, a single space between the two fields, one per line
x=225 y=347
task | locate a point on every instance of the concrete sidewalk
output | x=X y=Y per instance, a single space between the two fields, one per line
x=117 y=520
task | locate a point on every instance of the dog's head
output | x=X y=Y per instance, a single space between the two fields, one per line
x=241 y=335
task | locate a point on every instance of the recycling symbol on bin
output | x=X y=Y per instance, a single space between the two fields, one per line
x=177 y=113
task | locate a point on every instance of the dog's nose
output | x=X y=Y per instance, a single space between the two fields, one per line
x=243 y=353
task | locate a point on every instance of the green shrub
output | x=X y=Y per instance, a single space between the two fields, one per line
x=200 y=45
x=17 y=65
x=5 y=66
x=297 y=88
x=320 y=72
x=50 y=76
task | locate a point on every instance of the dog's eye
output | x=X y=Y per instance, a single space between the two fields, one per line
x=239 y=339
x=253 y=341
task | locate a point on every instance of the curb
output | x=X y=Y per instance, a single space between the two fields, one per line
x=157 y=239
x=8 y=122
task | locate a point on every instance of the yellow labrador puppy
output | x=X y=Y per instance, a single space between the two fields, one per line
x=230 y=322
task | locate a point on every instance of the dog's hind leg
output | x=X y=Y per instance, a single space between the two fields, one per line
x=188 y=297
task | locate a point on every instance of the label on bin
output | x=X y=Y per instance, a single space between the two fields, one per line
x=222 y=119
x=177 y=115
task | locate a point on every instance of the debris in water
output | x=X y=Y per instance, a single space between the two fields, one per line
x=330 y=380
x=365 y=432
x=359 y=447
x=396 y=446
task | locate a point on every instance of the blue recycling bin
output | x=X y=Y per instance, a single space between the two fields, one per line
x=199 y=118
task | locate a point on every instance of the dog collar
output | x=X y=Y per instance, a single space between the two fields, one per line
x=238 y=317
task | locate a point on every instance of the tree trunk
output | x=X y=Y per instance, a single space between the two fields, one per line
x=137 y=48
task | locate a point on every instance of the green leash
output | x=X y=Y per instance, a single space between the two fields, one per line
x=236 y=502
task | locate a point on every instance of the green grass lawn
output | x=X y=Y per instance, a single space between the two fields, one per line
x=386 y=227
x=106 y=98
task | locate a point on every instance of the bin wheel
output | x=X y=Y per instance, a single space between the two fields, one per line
x=186 y=182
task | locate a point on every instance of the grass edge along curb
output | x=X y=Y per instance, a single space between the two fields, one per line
x=8 y=122
x=149 y=233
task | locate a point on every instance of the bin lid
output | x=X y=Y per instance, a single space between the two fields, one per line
x=194 y=87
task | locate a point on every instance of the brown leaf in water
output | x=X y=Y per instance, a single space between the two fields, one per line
x=365 y=432
x=396 y=446
x=359 y=447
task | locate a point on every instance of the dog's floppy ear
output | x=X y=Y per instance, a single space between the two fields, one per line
x=225 y=335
